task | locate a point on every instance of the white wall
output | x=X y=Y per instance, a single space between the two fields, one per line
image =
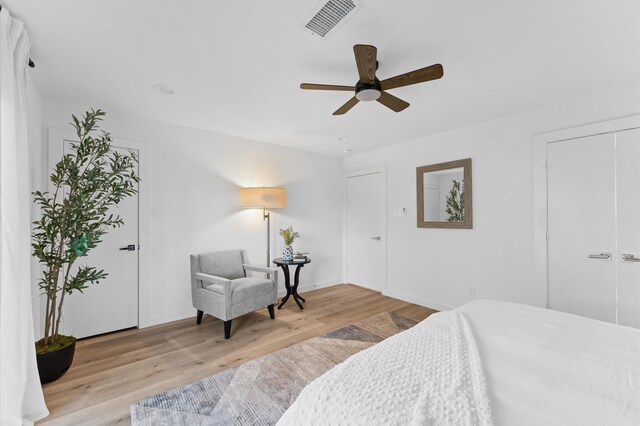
x=195 y=176
x=194 y=181
x=436 y=267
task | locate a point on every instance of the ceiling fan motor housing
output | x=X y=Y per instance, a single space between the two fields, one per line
x=368 y=91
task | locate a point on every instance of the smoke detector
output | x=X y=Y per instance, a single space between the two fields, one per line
x=329 y=15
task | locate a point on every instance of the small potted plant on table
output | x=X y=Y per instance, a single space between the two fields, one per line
x=289 y=236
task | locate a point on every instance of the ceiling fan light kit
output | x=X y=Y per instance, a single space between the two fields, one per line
x=368 y=95
x=368 y=92
x=369 y=88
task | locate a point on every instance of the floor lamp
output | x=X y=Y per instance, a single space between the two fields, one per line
x=264 y=198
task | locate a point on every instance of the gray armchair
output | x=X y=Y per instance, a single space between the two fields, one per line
x=220 y=286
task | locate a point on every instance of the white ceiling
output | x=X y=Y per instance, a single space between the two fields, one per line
x=236 y=65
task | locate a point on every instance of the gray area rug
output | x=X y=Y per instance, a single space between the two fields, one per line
x=259 y=391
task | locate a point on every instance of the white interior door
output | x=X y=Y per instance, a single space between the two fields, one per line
x=628 y=226
x=581 y=226
x=113 y=303
x=366 y=236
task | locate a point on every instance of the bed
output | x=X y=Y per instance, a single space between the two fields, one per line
x=487 y=362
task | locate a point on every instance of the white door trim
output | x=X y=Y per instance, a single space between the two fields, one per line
x=540 y=142
x=56 y=141
x=382 y=170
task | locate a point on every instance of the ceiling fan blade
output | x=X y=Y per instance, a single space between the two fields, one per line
x=346 y=107
x=311 y=86
x=432 y=72
x=366 y=62
x=392 y=102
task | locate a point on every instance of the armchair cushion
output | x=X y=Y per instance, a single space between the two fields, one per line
x=250 y=288
x=226 y=264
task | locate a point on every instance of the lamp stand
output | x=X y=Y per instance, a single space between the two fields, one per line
x=267 y=216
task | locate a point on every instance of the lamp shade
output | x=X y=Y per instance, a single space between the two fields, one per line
x=262 y=197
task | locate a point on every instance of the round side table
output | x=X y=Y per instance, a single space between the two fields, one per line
x=291 y=291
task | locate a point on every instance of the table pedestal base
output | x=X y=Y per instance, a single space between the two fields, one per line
x=291 y=291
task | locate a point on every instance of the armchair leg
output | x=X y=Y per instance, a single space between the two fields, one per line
x=227 y=329
x=199 y=318
x=272 y=313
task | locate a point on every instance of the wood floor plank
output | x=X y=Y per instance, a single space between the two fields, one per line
x=114 y=370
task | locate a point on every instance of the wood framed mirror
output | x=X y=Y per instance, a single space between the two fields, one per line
x=444 y=194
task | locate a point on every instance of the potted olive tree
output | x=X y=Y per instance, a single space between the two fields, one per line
x=85 y=184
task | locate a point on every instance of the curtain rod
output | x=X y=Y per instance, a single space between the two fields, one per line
x=31 y=64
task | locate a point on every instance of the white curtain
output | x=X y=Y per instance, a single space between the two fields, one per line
x=21 y=399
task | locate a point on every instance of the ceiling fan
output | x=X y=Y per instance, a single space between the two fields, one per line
x=369 y=88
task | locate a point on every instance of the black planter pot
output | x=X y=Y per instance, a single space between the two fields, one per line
x=53 y=365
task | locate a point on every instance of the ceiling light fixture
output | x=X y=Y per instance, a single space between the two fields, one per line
x=343 y=138
x=348 y=150
x=165 y=90
x=367 y=95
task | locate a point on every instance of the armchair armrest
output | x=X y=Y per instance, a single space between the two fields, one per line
x=256 y=268
x=272 y=273
x=225 y=283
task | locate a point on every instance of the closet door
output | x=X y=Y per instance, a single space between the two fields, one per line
x=628 y=226
x=366 y=227
x=581 y=225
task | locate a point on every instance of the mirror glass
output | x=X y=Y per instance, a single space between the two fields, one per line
x=444 y=195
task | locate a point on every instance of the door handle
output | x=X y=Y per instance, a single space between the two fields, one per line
x=601 y=256
x=629 y=258
x=130 y=247
x=375 y=238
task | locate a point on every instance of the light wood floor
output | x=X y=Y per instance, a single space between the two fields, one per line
x=109 y=372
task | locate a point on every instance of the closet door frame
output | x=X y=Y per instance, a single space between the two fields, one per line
x=540 y=234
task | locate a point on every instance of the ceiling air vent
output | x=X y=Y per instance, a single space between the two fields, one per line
x=329 y=15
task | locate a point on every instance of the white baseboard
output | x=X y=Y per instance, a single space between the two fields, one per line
x=162 y=319
x=314 y=286
x=418 y=300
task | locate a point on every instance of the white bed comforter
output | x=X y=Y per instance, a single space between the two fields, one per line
x=551 y=368
x=430 y=374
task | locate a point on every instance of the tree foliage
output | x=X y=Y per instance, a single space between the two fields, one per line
x=86 y=183
x=455 y=202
